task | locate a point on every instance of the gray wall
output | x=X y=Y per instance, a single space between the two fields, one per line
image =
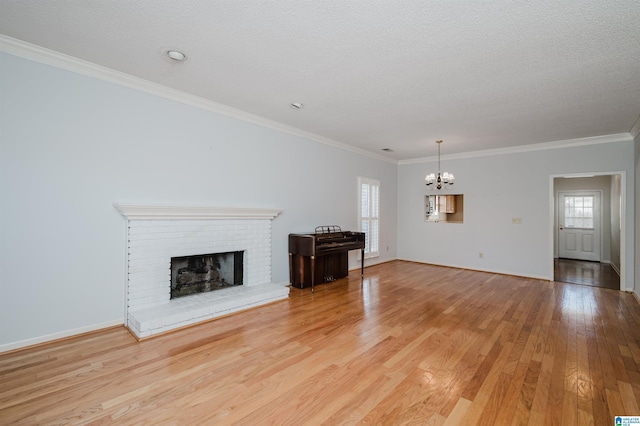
x=73 y=145
x=616 y=220
x=637 y=214
x=500 y=187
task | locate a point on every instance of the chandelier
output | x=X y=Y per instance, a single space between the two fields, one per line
x=442 y=180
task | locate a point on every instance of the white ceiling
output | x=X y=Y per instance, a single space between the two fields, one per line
x=372 y=74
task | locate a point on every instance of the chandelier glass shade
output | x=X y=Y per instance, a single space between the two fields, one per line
x=441 y=180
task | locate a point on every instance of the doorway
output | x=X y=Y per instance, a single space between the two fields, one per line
x=588 y=234
x=579 y=225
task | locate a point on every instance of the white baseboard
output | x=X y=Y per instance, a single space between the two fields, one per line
x=615 y=268
x=57 y=336
x=371 y=261
x=491 y=271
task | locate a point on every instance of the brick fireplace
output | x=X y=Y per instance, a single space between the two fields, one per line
x=156 y=234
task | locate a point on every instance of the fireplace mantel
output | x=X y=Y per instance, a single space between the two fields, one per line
x=164 y=212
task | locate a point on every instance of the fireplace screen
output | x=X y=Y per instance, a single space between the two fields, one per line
x=207 y=272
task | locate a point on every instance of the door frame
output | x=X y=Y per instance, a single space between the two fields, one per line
x=623 y=221
x=556 y=217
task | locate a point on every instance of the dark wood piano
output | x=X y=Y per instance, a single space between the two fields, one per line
x=322 y=256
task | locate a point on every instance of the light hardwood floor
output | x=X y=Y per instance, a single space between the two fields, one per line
x=412 y=344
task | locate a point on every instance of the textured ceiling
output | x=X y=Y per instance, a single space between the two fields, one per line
x=372 y=74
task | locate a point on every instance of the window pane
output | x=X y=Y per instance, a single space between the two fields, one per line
x=374 y=201
x=578 y=212
x=365 y=200
x=374 y=235
x=369 y=211
x=588 y=201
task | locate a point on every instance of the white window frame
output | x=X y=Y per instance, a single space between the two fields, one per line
x=371 y=217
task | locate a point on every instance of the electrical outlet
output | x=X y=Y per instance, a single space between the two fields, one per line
x=516 y=221
x=481 y=255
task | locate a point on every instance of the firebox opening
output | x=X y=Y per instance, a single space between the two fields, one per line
x=205 y=272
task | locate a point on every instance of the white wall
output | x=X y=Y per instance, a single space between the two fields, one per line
x=616 y=219
x=72 y=145
x=496 y=189
x=636 y=207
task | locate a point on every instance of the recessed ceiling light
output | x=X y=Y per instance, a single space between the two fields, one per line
x=176 y=56
x=296 y=105
x=387 y=149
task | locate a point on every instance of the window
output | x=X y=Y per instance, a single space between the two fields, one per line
x=369 y=215
x=578 y=212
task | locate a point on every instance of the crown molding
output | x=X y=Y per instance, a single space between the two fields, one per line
x=635 y=129
x=568 y=143
x=164 y=212
x=50 y=57
x=46 y=56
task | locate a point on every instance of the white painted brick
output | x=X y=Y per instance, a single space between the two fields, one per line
x=152 y=243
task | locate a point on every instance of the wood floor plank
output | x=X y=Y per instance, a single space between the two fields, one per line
x=556 y=386
x=629 y=398
x=458 y=412
x=527 y=393
x=615 y=403
x=543 y=383
x=410 y=344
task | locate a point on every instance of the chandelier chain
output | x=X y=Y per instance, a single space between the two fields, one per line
x=443 y=180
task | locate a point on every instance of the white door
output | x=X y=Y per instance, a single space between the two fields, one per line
x=579 y=225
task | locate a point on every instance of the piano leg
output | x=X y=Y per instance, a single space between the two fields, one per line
x=362 y=264
x=313 y=272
